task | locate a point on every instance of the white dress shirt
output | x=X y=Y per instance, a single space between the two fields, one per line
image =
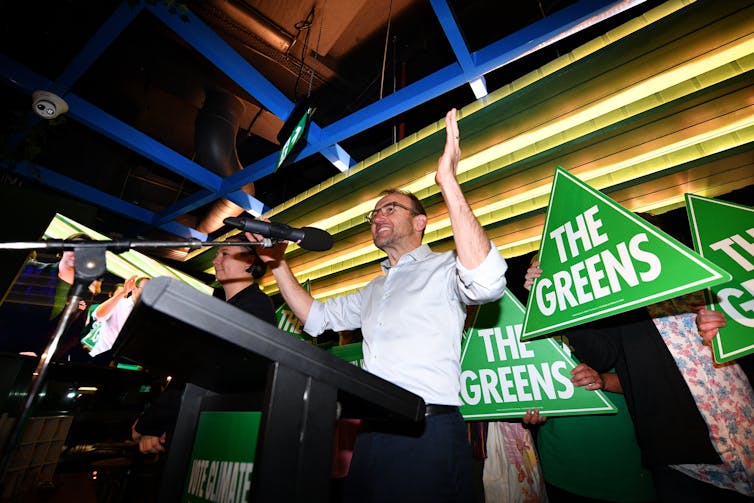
x=412 y=318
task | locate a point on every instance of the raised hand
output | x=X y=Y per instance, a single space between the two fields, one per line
x=448 y=162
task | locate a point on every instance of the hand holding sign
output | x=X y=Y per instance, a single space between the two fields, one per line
x=709 y=323
x=600 y=259
x=586 y=376
x=723 y=232
x=505 y=377
x=532 y=273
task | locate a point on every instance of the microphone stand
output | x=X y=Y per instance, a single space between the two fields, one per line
x=89 y=265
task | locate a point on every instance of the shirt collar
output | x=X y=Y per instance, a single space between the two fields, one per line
x=415 y=255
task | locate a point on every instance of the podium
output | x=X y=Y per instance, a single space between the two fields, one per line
x=231 y=360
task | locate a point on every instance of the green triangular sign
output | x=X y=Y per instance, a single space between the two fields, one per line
x=599 y=259
x=288 y=322
x=350 y=352
x=723 y=232
x=503 y=377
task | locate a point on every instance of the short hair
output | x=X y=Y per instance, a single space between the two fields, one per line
x=416 y=204
x=240 y=238
x=258 y=268
x=79 y=236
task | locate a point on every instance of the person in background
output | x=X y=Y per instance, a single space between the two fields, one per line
x=31 y=311
x=693 y=417
x=411 y=319
x=708 y=323
x=511 y=472
x=236 y=269
x=113 y=313
x=595 y=458
x=93 y=326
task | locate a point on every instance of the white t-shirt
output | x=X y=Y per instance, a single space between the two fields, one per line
x=111 y=325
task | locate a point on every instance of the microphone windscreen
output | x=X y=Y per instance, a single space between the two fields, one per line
x=315 y=239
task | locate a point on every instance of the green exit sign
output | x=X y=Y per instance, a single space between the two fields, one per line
x=293 y=139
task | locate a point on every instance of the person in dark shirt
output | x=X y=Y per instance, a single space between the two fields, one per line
x=236 y=269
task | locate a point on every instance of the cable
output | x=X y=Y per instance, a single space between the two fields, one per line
x=300 y=26
x=316 y=52
x=384 y=55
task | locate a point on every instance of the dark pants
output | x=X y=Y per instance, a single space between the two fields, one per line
x=411 y=463
x=673 y=486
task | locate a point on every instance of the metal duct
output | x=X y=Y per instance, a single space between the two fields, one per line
x=256 y=23
x=215 y=146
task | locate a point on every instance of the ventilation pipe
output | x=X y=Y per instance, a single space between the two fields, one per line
x=253 y=21
x=215 y=144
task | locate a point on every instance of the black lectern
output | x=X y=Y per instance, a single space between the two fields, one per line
x=225 y=353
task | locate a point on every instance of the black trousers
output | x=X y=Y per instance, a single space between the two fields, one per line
x=429 y=462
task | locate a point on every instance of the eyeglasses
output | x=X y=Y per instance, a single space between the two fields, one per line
x=386 y=210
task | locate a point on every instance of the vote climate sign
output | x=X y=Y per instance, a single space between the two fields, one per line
x=222 y=459
x=503 y=377
x=599 y=259
x=723 y=232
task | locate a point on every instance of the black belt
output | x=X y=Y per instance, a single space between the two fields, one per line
x=434 y=410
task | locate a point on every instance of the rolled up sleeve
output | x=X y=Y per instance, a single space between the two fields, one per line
x=336 y=313
x=485 y=283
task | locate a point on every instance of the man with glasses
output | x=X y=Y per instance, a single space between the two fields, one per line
x=412 y=319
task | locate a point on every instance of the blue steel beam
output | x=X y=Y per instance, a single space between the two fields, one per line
x=21 y=78
x=202 y=197
x=94 y=196
x=115 y=24
x=119 y=131
x=453 y=34
x=202 y=38
x=547 y=31
x=325 y=140
x=494 y=56
x=457 y=41
x=106 y=34
x=107 y=125
x=175 y=210
x=137 y=141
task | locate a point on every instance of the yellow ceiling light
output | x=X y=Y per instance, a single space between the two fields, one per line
x=630 y=27
x=716 y=65
x=731 y=132
x=126 y=264
x=713 y=140
x=642 y=119
x=581 y=120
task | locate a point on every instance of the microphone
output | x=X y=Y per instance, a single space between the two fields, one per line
x=308 y=238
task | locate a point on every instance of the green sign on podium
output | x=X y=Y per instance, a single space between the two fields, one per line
x=222 y=460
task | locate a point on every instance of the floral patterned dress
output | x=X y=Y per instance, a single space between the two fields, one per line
x=721 y=391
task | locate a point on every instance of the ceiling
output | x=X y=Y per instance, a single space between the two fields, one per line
x=175 y=109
